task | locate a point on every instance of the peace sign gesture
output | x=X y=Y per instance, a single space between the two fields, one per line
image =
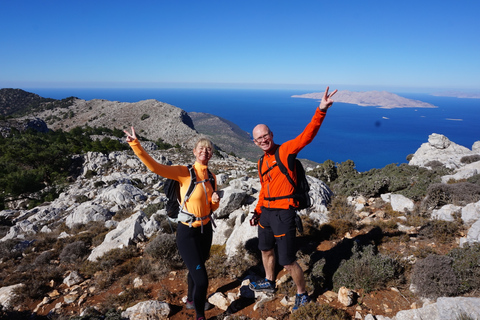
x=327 y=100
x=130 y=137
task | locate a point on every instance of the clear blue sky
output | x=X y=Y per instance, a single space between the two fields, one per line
x=292 y=44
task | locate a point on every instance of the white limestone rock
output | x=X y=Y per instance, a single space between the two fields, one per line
x=446 y=213
x=127 y=232
x=440 y=148
x=148 y=310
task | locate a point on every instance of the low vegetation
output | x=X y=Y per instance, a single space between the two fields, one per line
x=33 y=163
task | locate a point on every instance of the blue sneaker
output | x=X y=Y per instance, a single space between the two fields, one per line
x=300 y=300
x=264 y=285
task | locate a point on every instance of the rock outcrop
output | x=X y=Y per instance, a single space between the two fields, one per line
x=440 y=148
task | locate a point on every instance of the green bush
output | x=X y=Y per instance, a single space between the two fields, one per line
x=474 y=179
x=326 y=171
x=31 y=161
x=162 y=145
x=153 y=208
x=466 y=265
x=410 y=181
x=434 y=277
x=365 y=270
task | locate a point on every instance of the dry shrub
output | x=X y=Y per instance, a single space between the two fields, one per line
x=339 y=228
x=366 y=270
x=314 y=311
x=340 y=209
x=466 y=265
x=219 y=265
x=164 y=248
x=122 y=214
x=440 y=194
x=44 y=258
x=470 y=159
x=37 y=284
x=440 y=230
x=74 y=252
x=434 y=277
x=153 y=269
x=127 y=298
x=434 y=164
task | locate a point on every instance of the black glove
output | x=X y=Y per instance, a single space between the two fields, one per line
x=254 y=219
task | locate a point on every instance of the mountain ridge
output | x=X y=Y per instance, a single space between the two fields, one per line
x=152 y=119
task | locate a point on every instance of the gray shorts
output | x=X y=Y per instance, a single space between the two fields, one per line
x=277 y=226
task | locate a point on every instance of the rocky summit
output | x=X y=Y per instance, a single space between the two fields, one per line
x=104 y=248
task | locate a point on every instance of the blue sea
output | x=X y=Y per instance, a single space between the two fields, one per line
x=370 y=136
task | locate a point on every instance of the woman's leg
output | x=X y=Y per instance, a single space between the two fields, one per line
x=194 y=248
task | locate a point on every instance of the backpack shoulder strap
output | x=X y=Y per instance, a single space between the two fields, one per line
x=259 y=167
x=212 y=180
x=283 y=169
x=191 y=187
x=260 y=164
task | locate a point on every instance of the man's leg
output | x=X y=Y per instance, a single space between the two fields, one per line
x=297 y=275
x=268 y=258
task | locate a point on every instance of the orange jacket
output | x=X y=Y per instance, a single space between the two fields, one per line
x=200 y=203
x=275 y=183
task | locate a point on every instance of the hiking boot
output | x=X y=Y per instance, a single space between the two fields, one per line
x=191 y=306
x=300 y=300
x=264 y=285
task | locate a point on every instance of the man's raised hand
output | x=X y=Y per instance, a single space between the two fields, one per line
x=327 y=100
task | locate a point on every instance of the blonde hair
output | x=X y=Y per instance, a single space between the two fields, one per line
x=204 y=142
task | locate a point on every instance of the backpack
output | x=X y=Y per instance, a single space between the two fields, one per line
x=302 y=187
x=172 y=191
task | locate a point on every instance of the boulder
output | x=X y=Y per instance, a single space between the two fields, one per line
x=398 y=202
x=127 y=232
x=440 y=148
x=148 y=310
x=87 y=212
x=446 y=213
x=231 y=200
x=7 y=294
x=471 y=213
x=242 y=232
x=443 y=309
x=123 y=195
x=473 y=234
x=72 y=279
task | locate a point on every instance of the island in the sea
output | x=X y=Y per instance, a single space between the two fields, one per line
x=458 y=94
x=379 y=99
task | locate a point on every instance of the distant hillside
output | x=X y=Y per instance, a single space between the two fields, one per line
x=152 y=119
x=17 y=102
x=225 y=134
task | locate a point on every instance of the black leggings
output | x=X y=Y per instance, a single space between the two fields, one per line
x=194 y=247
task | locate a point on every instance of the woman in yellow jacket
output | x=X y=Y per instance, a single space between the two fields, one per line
x=193 y=239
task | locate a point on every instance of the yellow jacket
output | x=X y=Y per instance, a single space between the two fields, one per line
x=200 y=202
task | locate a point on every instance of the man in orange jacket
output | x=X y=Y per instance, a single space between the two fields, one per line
x=276 y=217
